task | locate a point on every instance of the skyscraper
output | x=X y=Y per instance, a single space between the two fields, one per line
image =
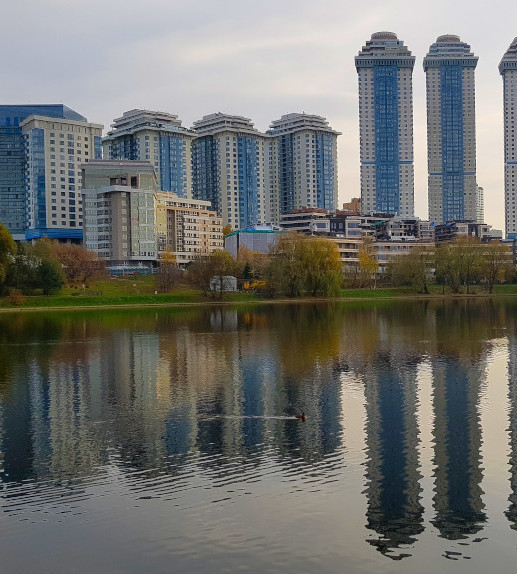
x=34 y=168
x=508 y=69
x=385 y=68
x=234 y=167
x=307 y=162
x=157 y=137
x=451 y=130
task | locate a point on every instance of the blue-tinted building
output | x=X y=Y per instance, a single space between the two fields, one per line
x=307 y=162
x=451 y=131
x=157 y=137
x=234 y=167
x=385 y=69
x=13 y=192
x=41 y=149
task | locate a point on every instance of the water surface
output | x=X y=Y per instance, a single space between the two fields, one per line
x=159 y=441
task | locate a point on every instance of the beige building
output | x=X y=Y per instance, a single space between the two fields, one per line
x=127 y=219
x=56 y=149
x=188 y=227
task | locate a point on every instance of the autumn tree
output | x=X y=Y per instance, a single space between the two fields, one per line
x=208 y=273
x=251 y=263
x=497 y=262
x=459 y=262
x=227 y=229
x=368 y=265
x=7 y=254
x=413 y=268
x=168 y=271
x=79 y=264
x=323 y=268
x=286 y=272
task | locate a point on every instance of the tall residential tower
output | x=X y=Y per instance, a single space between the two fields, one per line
x=451 y=130
x=508 y=69
x=385 y=69
x=157 y=137
x=307 y=162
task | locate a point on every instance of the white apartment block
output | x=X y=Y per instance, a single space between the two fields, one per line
x=235 y=168
x=307 y=162
x=55 y=150
x=508 y=70
x=451 y=130
x=385 y=68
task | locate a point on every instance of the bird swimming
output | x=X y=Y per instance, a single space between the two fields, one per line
x=301 y=416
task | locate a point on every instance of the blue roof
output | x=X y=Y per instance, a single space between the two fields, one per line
x=13 y=115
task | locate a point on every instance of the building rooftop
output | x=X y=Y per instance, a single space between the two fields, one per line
x=509 y=60
x=384 y=45
x=447 y=47
x=136 y=120
x=294 y=122
x=219 y=122
x=13 y=114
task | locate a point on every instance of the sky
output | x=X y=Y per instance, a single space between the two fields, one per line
x=256 y=59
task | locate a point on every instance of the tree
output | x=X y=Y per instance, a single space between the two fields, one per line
x=459 y=262
x=7 y=254
x=79 y=264
x=208 y=273
x=323 y=268
x=50 y=276
x=302 y=264
x=413 y=269
x=227 y=229
x=286 y=272
x=368 y=265
x=168 y=272
x=497 y=262
x=251 y=262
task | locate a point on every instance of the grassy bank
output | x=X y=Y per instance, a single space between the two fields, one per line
x=139 y=290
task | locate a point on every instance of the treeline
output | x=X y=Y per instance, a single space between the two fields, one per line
x=44 y=266
x=455 y=265
x=297 y=265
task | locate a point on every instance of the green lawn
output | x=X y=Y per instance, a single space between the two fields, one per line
x=140 y=290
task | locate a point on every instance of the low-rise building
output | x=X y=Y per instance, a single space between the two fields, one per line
x=451 y=229
x=257 y=238
x=306 y=220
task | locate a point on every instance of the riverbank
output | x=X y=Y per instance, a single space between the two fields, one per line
x=184 y=298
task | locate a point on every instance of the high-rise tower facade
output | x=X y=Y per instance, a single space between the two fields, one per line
x=451 y=130
x=307 y=162
x=234 y=167
x=508 y=70
x=385 y=68
x=157 y=137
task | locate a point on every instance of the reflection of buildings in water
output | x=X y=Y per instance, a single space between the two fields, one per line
x=393 y=491
x=457 y=434
x=511 y=513
x=130 y=368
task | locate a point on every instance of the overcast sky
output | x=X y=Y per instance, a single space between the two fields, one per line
x=257 y=59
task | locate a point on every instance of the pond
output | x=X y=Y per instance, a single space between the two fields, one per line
x=167 y=440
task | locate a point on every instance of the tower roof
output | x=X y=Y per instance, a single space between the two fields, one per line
x=381 y=47
x=509 y=60
x=449 y=47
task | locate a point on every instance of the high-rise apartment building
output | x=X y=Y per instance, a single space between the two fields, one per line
x=29 y=174
x=385 y=68
x=55 y=149
x=451 y=130
x=508 y=70
x=119 y=211
x=234 y=167
x=159 y=138
x=307 y=162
